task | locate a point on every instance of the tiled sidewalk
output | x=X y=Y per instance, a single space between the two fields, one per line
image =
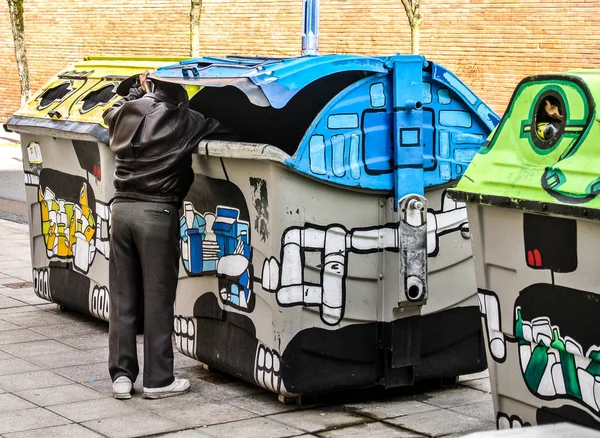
x=54 y=383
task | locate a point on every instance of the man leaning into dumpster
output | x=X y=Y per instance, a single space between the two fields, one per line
x=152 y=133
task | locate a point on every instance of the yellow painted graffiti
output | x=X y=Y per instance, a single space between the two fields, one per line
x=68 y=228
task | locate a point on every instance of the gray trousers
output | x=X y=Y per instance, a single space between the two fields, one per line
x=143 y=269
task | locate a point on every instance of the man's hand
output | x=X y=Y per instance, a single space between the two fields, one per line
x=143 y=77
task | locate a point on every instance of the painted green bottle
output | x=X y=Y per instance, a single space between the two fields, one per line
x=567 y=363
x=594 y=366
x=519 y=328
x=536 y=367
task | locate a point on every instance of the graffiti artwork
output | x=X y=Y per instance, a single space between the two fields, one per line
x=559 y=354
x=333 y=244
x=504 y=421
x=74 y=225
x=218 y=241
x=82 y=295
x=218 y=244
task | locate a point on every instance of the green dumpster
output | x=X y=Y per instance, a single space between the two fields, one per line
x=533 y=206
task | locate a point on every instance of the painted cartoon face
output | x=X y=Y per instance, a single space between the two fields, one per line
x=554 y=326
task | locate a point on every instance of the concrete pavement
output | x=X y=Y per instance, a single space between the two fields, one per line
x=54 y=383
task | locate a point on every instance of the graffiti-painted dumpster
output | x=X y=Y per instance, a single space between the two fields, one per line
x=69 y=179
x=301 y=271
x=533 y=211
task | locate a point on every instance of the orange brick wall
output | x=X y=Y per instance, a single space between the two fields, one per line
x=489 y=44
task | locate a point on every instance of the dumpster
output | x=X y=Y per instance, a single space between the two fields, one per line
x=321 y=252
x=69 y=179
x=533 y=209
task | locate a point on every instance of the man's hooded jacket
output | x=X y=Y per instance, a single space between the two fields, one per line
x=153 y=136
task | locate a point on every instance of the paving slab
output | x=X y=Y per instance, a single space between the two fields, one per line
x=12 y=263
x=7 y=302
x=86 y=341
x=25 y=350
x=135 y=425
x=23 y=274
x=100 y=352
x=181 y=361
x=189 y=414
x=190 y=433
x=16 y=366
x=80 y=411
x=67 y=431
x=483 y=410
x=28 y=298
x=440 y=423
x=64 y=359
x=21 y=311
x=59 y=395
x=318 y=419
x=40 y=319
x=370 y=430
x=28 y=419
x=9 y=280
x=18 y=336
x=4 y=325
x=254 y=428
x=10 y=402
x=263 y=404
x=482 y=375
x=452 y=397
x=71 y=329
x=32 y=380
x=479 y=384
x=390 y=408
x=85 y=373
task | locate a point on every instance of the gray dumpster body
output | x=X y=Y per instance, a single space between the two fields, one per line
x=296 y=270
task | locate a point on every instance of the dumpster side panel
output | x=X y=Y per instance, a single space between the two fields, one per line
x=539 y=314
x=69 y=220
x=293 y=284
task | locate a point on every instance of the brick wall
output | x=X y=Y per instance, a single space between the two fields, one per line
x=489 y=44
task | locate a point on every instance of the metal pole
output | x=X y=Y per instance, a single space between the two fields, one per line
x=310 y=34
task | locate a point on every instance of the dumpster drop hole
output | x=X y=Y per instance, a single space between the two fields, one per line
x=283 y=128
x=98 y=97
x=549 y=122
x=55 y=93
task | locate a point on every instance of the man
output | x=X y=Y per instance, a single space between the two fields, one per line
x=152 y=133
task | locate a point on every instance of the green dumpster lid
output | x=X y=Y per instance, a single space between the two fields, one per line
x=543 y=156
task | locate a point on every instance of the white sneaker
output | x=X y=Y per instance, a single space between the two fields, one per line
x=179 y=386
x=122 y=388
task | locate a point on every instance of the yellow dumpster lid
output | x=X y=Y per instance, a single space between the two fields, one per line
x=85 y=89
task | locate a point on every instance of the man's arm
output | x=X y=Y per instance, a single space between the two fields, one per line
x=198 y=127
x=134 y=93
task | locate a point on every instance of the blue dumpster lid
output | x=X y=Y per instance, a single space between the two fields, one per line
x=266 y=81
